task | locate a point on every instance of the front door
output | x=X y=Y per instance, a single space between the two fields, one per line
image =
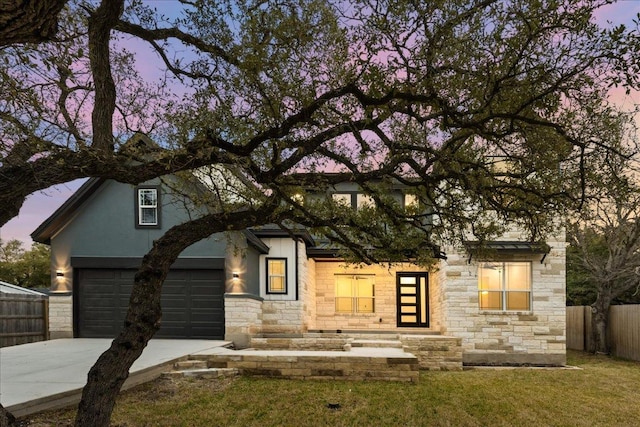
x=412 y=299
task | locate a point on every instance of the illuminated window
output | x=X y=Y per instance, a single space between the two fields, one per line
x=147 y=207
x=504 y=286
x=363 y=200
x=276 y=275
x=411 y=202
x=342 y=198
x=355 y=294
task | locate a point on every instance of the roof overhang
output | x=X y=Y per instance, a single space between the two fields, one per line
x=498 y=247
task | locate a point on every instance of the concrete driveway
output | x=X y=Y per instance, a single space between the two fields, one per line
x=50 y=374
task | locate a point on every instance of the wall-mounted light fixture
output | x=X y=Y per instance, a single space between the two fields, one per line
x=235 y=275
x=59 y=274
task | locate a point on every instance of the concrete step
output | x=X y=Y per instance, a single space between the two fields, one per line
x=184 y=365
x=376 y=343
x=203 y=373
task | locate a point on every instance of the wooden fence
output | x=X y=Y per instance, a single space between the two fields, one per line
x=623 y=330
x=23 y=319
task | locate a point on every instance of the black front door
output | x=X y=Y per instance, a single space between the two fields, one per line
x=412 y=299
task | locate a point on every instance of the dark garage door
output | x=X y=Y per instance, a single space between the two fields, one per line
x=192 y=303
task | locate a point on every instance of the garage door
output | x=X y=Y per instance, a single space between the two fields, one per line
x=192 y=303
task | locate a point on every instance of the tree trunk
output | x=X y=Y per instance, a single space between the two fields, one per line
x=111 y=370
x=599 y=324
x=6 y=418
x=108 y=374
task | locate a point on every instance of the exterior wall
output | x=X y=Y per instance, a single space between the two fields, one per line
x=243 y=318
x=284 y=313
x=536 y=337
x=105 y=227
x=280 y=248
x=60 y=316
x=241 y=259
x=385 y=316
x=307 y=274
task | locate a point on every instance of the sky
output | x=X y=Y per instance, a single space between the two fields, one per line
x=39 y=206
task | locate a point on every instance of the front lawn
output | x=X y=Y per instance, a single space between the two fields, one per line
x=603 y=393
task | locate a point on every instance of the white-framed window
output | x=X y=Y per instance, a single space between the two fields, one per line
x=147 y=209
x=355 y=293
x=504 y=286
x=276 y=275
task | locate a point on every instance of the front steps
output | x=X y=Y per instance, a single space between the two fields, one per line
x=383 y=364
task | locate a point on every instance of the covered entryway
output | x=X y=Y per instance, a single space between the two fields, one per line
x=412 y=299
x=192 y=302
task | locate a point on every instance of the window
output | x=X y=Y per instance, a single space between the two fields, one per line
x=505 y=286
x=355 y=294
x=353 y=200
x=363 y=200
x=147 y=211
x=276 y=275
x=411 y=202
x=342 y=198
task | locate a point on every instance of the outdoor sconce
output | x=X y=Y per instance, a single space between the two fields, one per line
x=235 y=275
x=59 y=274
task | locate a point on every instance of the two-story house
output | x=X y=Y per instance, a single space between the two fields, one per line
x=505 y=303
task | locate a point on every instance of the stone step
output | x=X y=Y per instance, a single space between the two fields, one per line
x=376 y=343
x=203 y=373
x=185 y=365
x=383 y=364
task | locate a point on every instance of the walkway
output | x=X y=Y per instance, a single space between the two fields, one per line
x=51 y=374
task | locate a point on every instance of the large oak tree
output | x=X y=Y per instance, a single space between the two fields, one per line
x=438 y=96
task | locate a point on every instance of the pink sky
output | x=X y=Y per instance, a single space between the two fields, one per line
x=41 y=205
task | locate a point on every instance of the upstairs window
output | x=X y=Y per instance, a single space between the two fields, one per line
x=504 y=286
x=354 y=200
x=355 y=294
x=147 y=209
x=276 y=275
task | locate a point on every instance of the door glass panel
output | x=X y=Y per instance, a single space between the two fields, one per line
x=423 y=301
x=408 y=300
x=408 y=309
x=405 y=318
x=407 y=280
x=407 y=290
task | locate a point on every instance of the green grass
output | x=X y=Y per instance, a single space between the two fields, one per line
x=603 y=393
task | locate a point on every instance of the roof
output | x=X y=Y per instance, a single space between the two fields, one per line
x=63 y=214
x=507 y=247
x=7 y=288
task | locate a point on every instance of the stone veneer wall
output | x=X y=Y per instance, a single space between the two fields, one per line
x=60 y=315
x=385 y=314
x=307 y=273
x=243 y=318
x=536 y=337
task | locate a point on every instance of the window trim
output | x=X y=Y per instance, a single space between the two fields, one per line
x=138 y=208
x=268 y=276
x=355 y=296
x=504 y=290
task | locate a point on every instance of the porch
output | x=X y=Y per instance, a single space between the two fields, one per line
x=347 y=355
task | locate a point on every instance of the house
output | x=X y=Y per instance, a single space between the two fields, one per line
x=503 y=303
